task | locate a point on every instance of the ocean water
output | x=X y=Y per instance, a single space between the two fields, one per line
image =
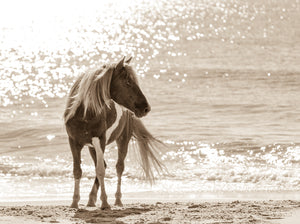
x=222 y=77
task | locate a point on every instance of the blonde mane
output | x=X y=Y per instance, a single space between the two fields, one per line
x=92 y=91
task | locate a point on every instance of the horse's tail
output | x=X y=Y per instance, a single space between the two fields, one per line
x=148 y=148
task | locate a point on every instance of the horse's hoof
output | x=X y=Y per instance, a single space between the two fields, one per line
x=118 y=203
x=105 y=206
x=90 y=204
x=74 y=205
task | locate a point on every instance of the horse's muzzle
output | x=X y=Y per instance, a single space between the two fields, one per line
x=142 y=110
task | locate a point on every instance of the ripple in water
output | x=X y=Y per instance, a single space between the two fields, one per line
x=222 y=77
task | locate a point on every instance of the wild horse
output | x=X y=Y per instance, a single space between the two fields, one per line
x=105 y=106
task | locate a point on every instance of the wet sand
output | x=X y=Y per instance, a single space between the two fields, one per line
x=250 y=211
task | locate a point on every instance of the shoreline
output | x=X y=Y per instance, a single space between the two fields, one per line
x=153 y=197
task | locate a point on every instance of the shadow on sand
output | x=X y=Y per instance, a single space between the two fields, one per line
x=107 y=216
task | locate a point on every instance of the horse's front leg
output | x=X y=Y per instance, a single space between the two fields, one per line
x=94 y=191
x=100 y=169
x=76 y=152
x=122 y=152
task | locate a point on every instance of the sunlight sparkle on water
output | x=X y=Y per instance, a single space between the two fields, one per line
x=40 y=61
x=50 y=137
x=183 y=46
x=71 y=42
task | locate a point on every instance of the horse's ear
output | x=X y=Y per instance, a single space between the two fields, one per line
x=120 y=64
x=128 y=60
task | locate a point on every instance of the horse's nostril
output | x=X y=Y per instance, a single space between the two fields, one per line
x=142 y=108
x=147 y=109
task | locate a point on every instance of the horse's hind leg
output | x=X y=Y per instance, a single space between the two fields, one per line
x=94 y=191
x=76 y=152
x=122 y=143
x=100 y=169
x=95 y=188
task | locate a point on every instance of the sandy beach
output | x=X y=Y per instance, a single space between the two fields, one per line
x=250 y=211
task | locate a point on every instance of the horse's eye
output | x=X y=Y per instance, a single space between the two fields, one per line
x=128 y=83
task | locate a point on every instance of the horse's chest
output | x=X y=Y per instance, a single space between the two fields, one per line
x=113 y=130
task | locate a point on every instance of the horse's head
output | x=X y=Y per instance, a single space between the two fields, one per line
x=124 y=89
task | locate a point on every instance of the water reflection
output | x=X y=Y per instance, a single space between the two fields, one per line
x=222 y=76
x=47 y=45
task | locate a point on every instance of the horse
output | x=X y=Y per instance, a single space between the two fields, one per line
x=103 y=106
